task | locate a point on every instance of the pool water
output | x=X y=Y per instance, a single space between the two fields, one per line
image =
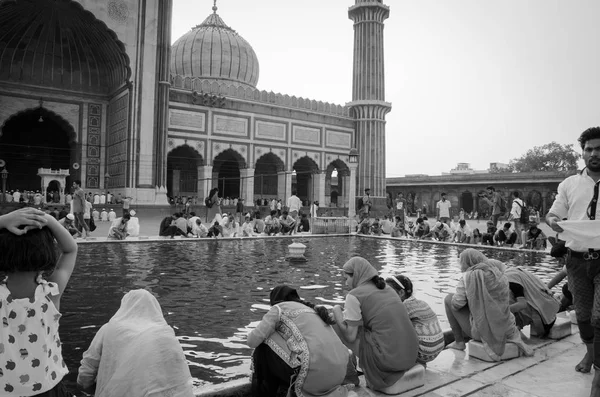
x=214 y=292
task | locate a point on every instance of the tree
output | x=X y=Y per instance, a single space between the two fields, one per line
x=549 y=157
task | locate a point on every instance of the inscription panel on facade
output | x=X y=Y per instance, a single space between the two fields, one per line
x=187 y=120
x=227 y=125
x=306 y=135
x=337 y=139
x=93 y=145
x=269 y=130
x=118 y=111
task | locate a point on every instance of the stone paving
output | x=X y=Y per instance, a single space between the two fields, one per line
x=550 y=372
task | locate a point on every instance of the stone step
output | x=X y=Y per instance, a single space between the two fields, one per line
x=476 y=350
x=412 y=379
x=562 y=326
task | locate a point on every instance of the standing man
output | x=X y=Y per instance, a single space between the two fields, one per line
x=79 y=208
x=494 y=199
x=443 y=210
x=577 y=200
x=516 y=210
x=294 y=204
x=367 y=203
x=401 y=207
x=126 y=203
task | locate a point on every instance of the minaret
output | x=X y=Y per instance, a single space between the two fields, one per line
x=368 y=94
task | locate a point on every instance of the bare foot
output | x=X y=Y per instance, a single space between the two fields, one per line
x=457 y=346
x=585 y=366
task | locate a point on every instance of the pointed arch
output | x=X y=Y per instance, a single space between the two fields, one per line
x=183 y=162
x=266 y=172
x=303 y=181
x=226 y=171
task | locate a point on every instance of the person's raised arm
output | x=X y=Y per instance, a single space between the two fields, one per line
x=66 y=262
x=29 y=217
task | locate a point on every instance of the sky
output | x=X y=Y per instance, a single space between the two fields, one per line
x=469 y=81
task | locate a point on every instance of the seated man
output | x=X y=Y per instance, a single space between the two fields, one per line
x=68 y=223
x=488 y=236
x=365 y=227
x=198 y=229
x=441 y=232
x=422 y=229
x=386 y=225
x=399 y=230
x=229 y=227
x=272 y=225
x=304 y=225
x=259 y=224
x=506 y=236
x=247 y=227
x=215 y=230
x=376 y=227
x=411 y=229
x=287 y=223
x=118 y=230
x=531 y=301
x=463 y=233
x=534 y=238
x=167 y=228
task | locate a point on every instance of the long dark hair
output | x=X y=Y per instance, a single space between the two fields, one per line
x=379 y=282
x=283 y=293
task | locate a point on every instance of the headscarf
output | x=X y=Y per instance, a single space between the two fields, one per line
x=361 y=270
x=136 y=354
x=283 y=293
x=471 y=257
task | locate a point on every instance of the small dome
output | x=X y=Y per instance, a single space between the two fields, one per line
x=212 y=50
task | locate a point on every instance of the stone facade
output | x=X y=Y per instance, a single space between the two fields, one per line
x=538 y=189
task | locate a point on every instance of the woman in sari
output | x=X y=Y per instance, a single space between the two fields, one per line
x=294 y=343
x=387 y=341
x=480 y=307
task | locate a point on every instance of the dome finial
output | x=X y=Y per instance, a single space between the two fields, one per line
x=214 y=6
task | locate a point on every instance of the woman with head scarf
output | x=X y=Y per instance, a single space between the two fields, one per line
x=480 y=309
x=388 y=342
x=136 y=354
x=296 y=347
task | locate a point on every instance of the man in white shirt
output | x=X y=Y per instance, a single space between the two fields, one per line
x=463 y=233
x=577 y=200
x=294 y=204
x=443 y=210
x=515 y=215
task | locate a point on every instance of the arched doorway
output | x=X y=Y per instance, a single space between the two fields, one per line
x=266 y=176
x=227 y=167
x=52 y=192
x=303 y=179
x=182 y=171
x=335 y=176
x=33 y=139
x=466 y=202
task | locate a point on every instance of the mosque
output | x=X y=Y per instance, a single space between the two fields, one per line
x=94 y=90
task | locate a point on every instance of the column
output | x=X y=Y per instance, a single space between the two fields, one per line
x=204 y=181
x=352 y=190
x=176 y=180
x=320 y=187
x=284 y=185
x=346 y=191
x=247 y=175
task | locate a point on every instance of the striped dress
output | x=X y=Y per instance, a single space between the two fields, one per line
x=427 y=326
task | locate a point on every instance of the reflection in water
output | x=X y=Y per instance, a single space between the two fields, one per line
x=214 y=292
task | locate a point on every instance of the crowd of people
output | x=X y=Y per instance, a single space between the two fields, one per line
x=519 y=229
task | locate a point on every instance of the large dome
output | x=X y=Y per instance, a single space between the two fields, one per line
x=212 y=50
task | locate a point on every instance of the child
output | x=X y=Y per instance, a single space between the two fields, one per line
x=425 y=321
x=29 y=305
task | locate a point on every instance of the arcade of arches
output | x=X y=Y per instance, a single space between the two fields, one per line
x=538 y=190
x=189 y=176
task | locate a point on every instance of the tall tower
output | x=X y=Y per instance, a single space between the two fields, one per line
x=368 y=94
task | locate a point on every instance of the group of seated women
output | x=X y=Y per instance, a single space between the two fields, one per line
x=313 y=351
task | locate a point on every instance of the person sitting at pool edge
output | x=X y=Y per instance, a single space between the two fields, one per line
x=506 y=236
x=316 y=366
x=480 y=309
x=531 y=301
x=136 y=354
x=304 y=225
x=118 y=230
x=387 y=344
x=425 y=321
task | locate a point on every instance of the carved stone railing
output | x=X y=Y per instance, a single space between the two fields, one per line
x=252 y=94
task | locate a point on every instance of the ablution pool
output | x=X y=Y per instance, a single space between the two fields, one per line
x=213 y=292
